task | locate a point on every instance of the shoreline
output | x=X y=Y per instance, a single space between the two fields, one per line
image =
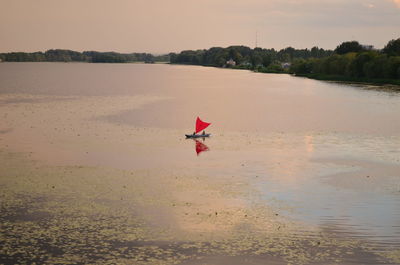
x=321 y=77
x=349 y=80
x=132 y=62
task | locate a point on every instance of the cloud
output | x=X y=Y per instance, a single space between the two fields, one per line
x=397 y=3
x=369 y=5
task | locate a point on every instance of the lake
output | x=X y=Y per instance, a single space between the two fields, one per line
x=96 y=168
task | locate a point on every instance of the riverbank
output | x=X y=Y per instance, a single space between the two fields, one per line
x=394 y=83
x=345 y=79
x=61 y=55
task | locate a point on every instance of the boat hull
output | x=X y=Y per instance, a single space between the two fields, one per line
x=197 y=135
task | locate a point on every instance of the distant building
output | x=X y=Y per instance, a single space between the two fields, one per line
x=231 y=62
x=286 y=65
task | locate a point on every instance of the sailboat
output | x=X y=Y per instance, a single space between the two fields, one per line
x=200 y=126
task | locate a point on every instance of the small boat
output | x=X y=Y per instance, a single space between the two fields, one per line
x=198 y=135
x=200 y=126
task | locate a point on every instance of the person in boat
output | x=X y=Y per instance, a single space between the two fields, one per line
x=204 y=132
x=194 y=133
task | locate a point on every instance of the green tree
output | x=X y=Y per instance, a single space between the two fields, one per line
x=256 y=58
x=348 y=46
x=267 y=59
x=375 y=67
x=391 y=67
x=337 y=64
x=356 y=67
x=235 y=55
x=302 y=66
x=392 y=48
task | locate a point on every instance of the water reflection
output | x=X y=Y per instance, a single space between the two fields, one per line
x=309 y=142
x=200 y=146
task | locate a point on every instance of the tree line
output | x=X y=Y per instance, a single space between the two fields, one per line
x=59 y=55
x=354 y=62
x=350 y=60
x=263 y=60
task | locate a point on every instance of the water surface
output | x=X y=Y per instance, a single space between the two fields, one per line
x=324 y=156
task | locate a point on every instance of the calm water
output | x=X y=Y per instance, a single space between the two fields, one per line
x=326 y=154
x=233 y=100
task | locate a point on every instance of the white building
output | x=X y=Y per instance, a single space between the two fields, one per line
x=231 y=62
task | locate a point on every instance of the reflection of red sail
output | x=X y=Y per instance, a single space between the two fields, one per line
x=201 y=125
x=200 y=147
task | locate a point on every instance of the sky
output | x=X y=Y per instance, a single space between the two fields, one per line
x=162 y=26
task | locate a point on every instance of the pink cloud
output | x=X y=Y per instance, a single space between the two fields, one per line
x=397 y=2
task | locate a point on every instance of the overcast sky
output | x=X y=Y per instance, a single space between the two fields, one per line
x=160 y=26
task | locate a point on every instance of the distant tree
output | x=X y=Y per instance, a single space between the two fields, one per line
x=287 y=54
x=256 y=58
x=375 y=68
x=235 y=55
x=349 y=46
x=314 y=52
x=338 y=64
x=356 y=67
x=392 y=67
x=106 y=57
x=267 y=59
x=23 y=57
x=162 y=58
x=173 y=57
x=246 y=57
x=59 y=55
x=302 y=66
x=149 y=58
x=392 y=48
x=215 y=56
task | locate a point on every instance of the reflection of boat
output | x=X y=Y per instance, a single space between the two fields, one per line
x=201 y=147
x=198 y=135
x=200 y=126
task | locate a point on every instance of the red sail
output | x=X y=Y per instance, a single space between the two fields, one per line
x=201 y=125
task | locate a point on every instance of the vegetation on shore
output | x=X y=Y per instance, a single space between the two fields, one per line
x=352 y=62
x=257 y=59
x=349 y=62
x=59 y=55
